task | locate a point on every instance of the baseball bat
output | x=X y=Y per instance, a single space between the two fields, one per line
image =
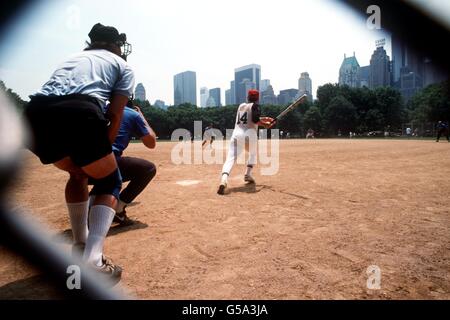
x=290 y=107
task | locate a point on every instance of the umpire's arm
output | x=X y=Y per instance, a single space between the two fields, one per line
x=114 y=114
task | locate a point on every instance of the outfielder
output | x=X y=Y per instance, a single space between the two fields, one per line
x=248 y=118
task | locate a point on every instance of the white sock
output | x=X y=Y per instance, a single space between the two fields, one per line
x=224 y=179
x=248 y=172
x=78 y=214
x=121 y=206
x=100 y=219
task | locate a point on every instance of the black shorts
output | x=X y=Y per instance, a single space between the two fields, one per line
x=68 y=126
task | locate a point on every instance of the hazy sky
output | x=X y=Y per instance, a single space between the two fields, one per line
x=210 y=37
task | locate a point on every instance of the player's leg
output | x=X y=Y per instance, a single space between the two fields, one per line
x=438 y=135
x=107 y=184
x=252 y=145
x=77 y=201
x=139 y=172
x=233 y=153
x=92 y=152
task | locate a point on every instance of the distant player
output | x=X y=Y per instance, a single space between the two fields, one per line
x=310 y=134
x=208 y=135
x=442 y=129
x=248 y=118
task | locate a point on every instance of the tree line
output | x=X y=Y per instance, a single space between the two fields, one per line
x=337 y=109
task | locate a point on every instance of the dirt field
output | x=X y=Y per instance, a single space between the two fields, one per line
x=309 y=232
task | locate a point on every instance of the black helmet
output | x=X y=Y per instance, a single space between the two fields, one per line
x=107 y=34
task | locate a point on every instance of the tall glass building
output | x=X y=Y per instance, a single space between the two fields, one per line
x=215 y=94
x=305 y=85
x=244 y=78
x=185 y=88
x=204 y=94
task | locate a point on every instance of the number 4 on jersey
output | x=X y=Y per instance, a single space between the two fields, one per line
x=242 y=119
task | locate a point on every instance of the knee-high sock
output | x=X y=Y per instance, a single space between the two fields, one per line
x=78 y=214
x=100 y=219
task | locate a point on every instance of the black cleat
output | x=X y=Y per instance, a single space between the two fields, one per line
x=122 y=219
x=221 y=190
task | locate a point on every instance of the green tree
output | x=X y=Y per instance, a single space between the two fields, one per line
x=389 y=104
x=340 y=115
x=373 y=121
x=431 y=104
x=313 y=119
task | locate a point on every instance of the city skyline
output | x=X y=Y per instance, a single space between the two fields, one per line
x=313 y=41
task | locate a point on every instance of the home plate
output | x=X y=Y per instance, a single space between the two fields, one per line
x=186 y=183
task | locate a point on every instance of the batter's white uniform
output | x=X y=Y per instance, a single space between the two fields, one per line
x=244 y=134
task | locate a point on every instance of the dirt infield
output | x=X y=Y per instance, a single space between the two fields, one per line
x=310 y=232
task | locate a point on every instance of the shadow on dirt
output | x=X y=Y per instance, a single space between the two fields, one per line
x=254 y=188
x=66 y=235
x=33 y=288
x=247 y=188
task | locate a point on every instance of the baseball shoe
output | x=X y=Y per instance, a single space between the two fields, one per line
x=78 y=250
x=122 y=219
x=248 y=178
x=109 y=270
x=222 y=188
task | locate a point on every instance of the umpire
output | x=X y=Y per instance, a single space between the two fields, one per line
x=71 y=131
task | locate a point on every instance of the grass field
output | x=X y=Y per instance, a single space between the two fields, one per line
x=309 y=232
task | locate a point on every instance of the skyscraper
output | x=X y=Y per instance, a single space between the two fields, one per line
x=412 y=71
x=348 y=72
x=160 y=104
x=204 y=94
x=215 y=94
x=287 y=96
x=363 y=76
x=139 y=92
x=228 y=97
x=232 y=92
x=404 y=56
x=244 y=78
x=210 y=103
x=264 y=85
x=380 y=73
x=268 y=96
x=305 y=85
x=185 y=88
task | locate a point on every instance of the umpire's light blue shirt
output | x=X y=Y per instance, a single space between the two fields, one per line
x=97 y=73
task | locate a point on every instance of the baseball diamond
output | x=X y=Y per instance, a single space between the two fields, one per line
x=311 y=231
